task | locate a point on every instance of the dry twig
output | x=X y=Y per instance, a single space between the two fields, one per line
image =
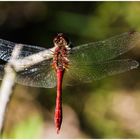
x=7 y=84
x=14 y=65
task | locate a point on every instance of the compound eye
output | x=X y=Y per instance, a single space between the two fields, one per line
x=56 y=40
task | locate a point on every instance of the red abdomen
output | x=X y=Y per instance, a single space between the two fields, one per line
x=58 y=109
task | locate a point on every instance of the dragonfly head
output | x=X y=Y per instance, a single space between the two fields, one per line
x=61 y=40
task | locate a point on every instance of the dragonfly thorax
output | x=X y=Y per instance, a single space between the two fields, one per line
x=60 y=58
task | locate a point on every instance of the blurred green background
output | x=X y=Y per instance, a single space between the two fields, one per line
x=109 y=108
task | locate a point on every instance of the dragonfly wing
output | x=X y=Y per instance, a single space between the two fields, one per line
x=96 y=71
x=39 y=75
x=6 y=48
x=104 y=50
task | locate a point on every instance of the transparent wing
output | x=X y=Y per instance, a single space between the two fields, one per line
x=39 y=75
x=95 y=71
x=6 y=48
x=104 y=50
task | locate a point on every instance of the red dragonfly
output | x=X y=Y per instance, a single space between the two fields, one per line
x=87 y=62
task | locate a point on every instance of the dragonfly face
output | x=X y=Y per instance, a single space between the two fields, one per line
x=61 y=40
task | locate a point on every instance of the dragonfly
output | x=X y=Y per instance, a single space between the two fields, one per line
x=84 y=63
